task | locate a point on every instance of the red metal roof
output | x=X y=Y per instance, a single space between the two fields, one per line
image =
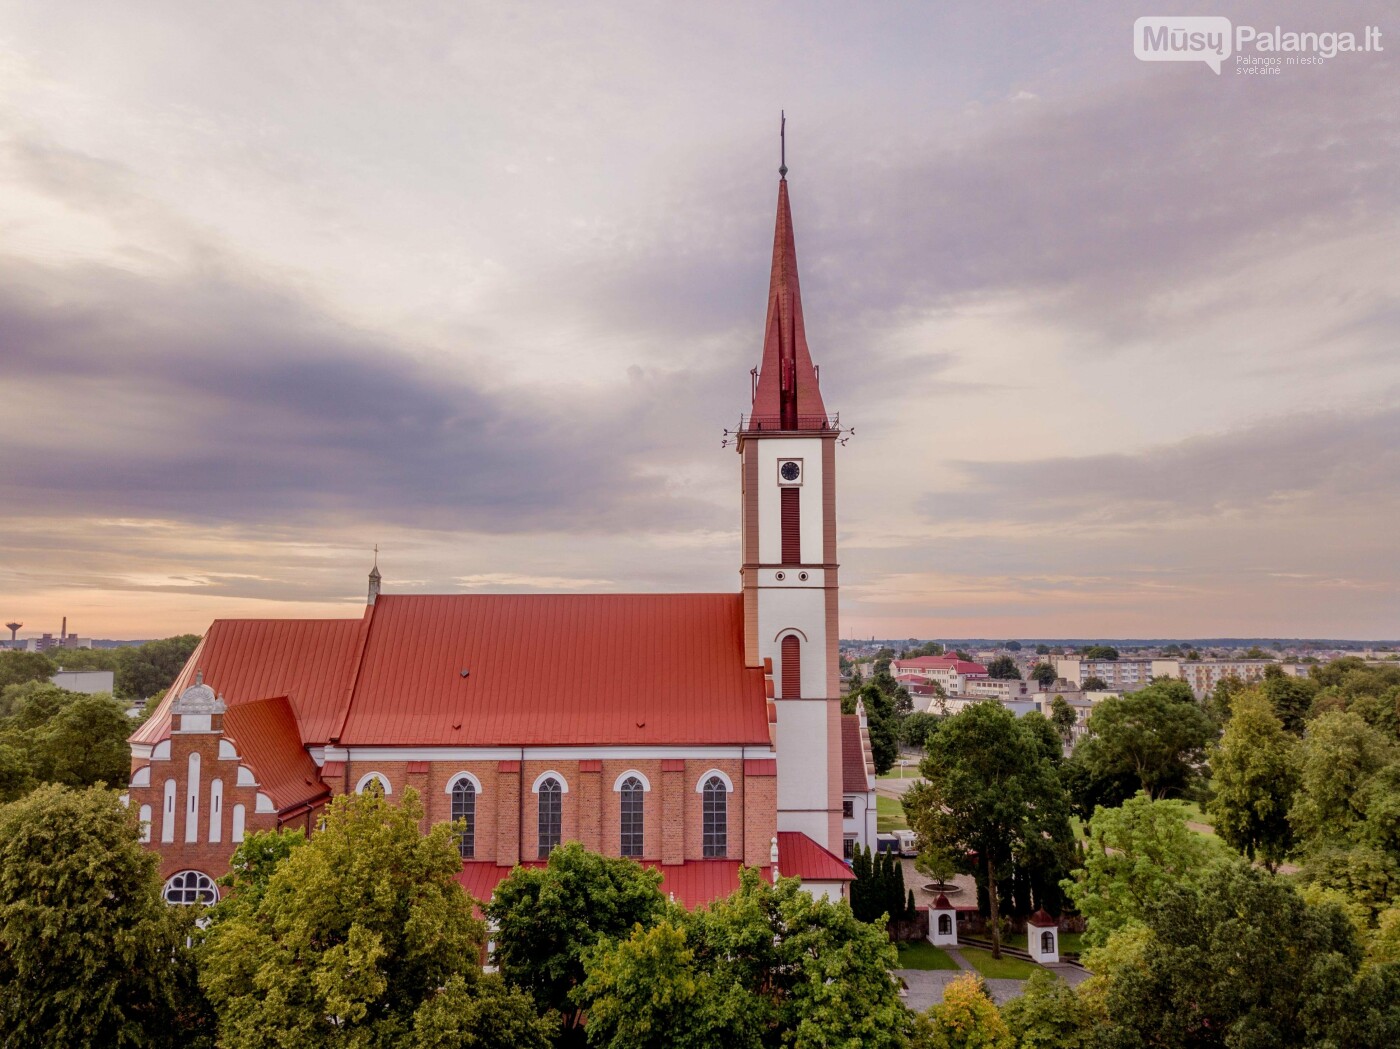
x=941 y=903
x=265 y=735
x=787 y=396
x=1042 y=920
x=624 y=669
x=694 y=883
x=642 y=669
x=801 y=857
x=854 y=775
x=306 y=660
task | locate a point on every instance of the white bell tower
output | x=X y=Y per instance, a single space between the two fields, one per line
x=787 y=447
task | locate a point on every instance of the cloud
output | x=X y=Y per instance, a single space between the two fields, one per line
x=1314 y=464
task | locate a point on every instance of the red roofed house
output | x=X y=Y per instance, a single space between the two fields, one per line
x=949 y=672
x=728 y=751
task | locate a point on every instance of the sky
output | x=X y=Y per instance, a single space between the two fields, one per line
x=482 y=284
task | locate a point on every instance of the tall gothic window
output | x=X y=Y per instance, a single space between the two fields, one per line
x=715 y=828
x=551 y=807
x=631 y=797
x=464 y=809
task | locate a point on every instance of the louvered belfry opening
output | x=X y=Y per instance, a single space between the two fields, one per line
x=792 y=525
x=792 y=667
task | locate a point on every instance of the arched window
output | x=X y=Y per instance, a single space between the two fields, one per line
x=715 y=827
x=373 y=781
x=189 y=887
x=464 y=809
x=551 y=815
x=792 y=667
x=945 y=925
x=1047 y=943
x=631 y=793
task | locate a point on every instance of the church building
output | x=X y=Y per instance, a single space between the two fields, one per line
x=693 y=732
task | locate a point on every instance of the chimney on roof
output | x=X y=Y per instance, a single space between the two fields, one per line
x=374 y=577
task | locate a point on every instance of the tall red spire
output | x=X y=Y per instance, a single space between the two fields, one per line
x=787 y=396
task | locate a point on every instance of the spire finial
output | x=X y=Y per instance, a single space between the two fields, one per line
x=782 y=143
x=376 y=555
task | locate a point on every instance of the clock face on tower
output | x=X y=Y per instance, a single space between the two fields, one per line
x=790 y=470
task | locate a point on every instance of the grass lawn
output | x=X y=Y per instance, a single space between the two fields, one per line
x=1071 y=942
x=920 y=954
x=1195 y=814
x=889 y=814
x=1007 y=968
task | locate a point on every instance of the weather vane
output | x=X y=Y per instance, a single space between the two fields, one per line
x=782 y=143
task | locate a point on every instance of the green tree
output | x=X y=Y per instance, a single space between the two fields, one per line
x=1291 y=698
x=1042 y=650
x=90 y=956
x=1255 y=776
x=1064 y=717
x=1238 y=959
x=1094 y=683
x=1157 y=735
x=1222 y=697
x=1100 y=652
x=1003 y=668
x=548 y=917
x=650 y=990
x=83 y=743
x=768 y=966
x=966 y=1019
x=254 y=863
x=1132 y=855
x=882 y=722
x=1048 y=1015
x=355 y=939
x=1014 y=646
x=145 y=669
x=1043 y=674
x=1338 y=756
x=990 y=789
x=18 y=667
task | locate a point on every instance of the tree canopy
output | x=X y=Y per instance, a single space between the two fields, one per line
x=90 y=955
x=51 y=735
x=1255 y=776
x=1239 y=959
x=361 y=937
x=1132 y=855
x=1003 y=668
x=547 y=918
x=1100 y=652
x=1156 y=736
x=768 y=966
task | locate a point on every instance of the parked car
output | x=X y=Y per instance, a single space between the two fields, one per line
x=886 y=843
x=906 y=842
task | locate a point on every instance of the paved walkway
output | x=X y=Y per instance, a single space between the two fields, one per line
x=925 y=986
